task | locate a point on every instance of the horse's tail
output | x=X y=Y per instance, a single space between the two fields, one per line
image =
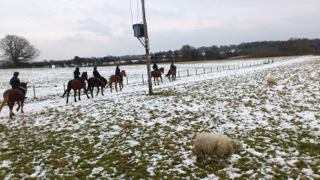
x=6 y=99
x=68 y=88
x=168 y=73
x=108 y=84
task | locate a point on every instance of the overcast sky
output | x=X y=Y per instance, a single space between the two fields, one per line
x=63 y=29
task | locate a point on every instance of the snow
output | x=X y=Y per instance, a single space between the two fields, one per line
x=235 y=101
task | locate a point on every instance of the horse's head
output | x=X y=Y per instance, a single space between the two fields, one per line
x=162 y=69
x=123 y=73
x=23 y=84
x=84 y=75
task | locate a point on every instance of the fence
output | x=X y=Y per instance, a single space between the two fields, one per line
x=189 y=72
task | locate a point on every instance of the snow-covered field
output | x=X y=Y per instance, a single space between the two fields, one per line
x=132 y=135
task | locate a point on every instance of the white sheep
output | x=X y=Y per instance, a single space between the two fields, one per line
x=271 y=81
x=214 y=144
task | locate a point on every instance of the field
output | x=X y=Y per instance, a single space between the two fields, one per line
x=133 y=135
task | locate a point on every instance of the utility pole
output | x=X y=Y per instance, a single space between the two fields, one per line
x=146 y=45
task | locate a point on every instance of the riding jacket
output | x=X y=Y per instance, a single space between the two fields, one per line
x=155 y=66
x=118 y=71
x=15 y=82
x=76 y=74
x=96 y=74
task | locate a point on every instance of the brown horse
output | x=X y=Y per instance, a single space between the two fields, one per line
x=13 y=95
x=95 y=82
x=171 y=73
x=155 y=74
x=76 y=85
x=116 y=79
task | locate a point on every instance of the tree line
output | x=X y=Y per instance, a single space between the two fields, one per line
x=19 y=53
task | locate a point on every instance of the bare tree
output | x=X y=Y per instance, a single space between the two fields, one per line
x=17 y=50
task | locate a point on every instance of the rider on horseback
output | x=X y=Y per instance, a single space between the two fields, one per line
x=118 y=72
x=96 y=74
x=172 y=66
x=15 y=83
x=155 y=67
x=77 y=76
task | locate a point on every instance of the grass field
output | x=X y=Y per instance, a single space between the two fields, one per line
x=133 y=135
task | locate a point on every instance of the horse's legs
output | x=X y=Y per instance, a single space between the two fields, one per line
x=110 y=83
x=75 y=94
x=22 y=102
x=121 y=86
x=18 y=106
x=115 y=85
x=154 y=80
x=161 y=79
x=102 y=90
x=11 y=107
x=85 y=91
x=98 y=91
x=79 y=94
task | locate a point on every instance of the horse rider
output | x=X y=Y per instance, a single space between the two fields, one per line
x=172 y=66
x=118 y=72
x=77 y=76
x=96 y=74
x=155 y=67
x=15 y=83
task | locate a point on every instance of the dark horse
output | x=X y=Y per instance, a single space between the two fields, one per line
x=95 y=82
x=11 y=96
x=171 y=73
x=76 y=85
x=116 y=79
x=155 y=74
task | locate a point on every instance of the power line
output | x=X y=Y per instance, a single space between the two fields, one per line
x=131 y=12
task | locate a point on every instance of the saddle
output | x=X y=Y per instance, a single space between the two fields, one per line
x=19 y=91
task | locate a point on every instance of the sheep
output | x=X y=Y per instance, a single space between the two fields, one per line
x=214 y=144
x=272 y=81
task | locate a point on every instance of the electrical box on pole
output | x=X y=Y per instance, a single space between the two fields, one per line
x=138 y=30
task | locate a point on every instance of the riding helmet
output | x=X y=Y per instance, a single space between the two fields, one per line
x=15 y=73
x=95 y=68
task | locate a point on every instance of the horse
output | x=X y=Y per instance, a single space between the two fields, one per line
x=95 y=82
x=76 y=85
x=116 y=79
x=14 y=95
x=155 y=74
x=171 y=72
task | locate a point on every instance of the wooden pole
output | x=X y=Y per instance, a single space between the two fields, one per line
x=34 y=92
x=146 y=39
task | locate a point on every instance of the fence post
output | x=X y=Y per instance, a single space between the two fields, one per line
x=178 y=73
x=196 y=71
x=127 y=80
x=228 y=67
x=217 y=68
x=64 y=87
x=204 y=70
x=223 y=67
x=142 y=80
x=187 y=72
x=211 y=68
x=34 y=92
